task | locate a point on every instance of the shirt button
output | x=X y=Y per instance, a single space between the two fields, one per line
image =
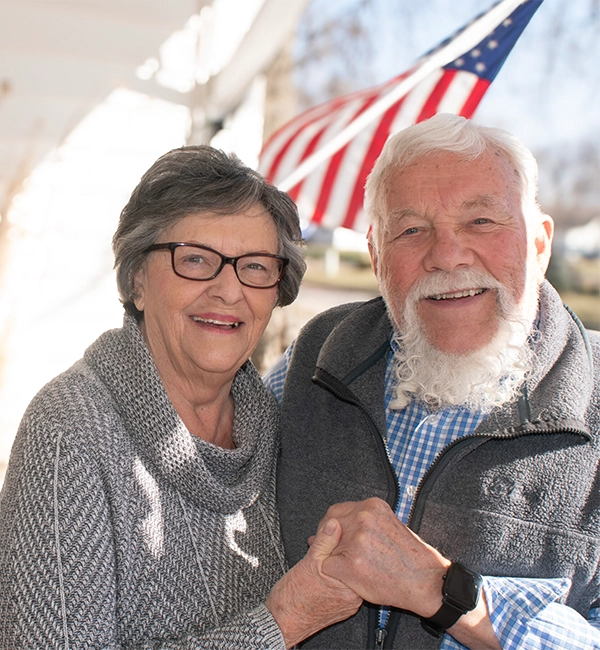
x=411 y=490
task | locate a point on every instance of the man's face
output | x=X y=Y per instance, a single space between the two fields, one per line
x=444 y=214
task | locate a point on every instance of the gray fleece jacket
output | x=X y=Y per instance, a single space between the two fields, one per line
x=518 y=497
x=119 y=529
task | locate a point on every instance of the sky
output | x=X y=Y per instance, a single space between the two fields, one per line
x=546 y=93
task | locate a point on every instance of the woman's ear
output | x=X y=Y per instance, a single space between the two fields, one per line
x=139 y=283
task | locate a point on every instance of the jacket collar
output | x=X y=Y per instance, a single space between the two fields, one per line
x=354 y=356
x=558 y=389
x=560 y=386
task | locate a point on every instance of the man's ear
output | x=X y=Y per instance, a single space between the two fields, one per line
x=543 y=241
x=373 y=256
x=139 y=284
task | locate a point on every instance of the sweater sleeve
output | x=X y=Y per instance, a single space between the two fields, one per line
x=254 y=630
x=57 y=560
x=58 y=557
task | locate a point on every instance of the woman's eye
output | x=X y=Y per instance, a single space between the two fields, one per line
x=193 y=260
x=254 y=266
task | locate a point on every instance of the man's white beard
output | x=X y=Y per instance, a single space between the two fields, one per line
x=479 y=380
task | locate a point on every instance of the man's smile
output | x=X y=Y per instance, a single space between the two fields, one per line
x=458 y=294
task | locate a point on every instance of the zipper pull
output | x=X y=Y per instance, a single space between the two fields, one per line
x=380 y=638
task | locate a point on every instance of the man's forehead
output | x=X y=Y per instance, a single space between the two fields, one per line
x=475 y=203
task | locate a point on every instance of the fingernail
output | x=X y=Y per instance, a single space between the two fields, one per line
x=329 y=527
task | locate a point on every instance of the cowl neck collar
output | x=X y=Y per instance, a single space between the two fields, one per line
x=213 y=478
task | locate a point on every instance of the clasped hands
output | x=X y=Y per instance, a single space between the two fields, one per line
x=382 y=560
x=361 y=551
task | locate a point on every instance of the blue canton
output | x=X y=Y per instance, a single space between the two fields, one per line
x=487 y=57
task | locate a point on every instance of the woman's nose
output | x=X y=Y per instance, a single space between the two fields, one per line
x=226 y=285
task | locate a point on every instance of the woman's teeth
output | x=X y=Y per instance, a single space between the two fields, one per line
x=458 y=294
x=212 y=321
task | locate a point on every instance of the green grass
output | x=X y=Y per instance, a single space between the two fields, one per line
x=586 y=306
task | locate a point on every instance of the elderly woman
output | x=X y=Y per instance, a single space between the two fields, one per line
x=139 y=507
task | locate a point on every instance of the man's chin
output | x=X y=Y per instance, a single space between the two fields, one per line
x=459 y=342
x=461 y=367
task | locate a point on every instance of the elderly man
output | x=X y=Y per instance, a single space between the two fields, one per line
x=450 y=428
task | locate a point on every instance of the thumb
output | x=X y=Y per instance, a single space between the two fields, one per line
x=326 y=539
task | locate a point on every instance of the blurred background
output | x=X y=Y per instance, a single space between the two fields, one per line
x=93 y=91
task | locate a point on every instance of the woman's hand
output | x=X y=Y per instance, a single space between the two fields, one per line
x=305 y=600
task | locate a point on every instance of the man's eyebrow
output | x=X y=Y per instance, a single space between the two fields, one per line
x=486 y=201
x=403 y=213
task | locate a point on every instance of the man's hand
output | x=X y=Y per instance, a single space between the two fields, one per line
x=384 y=561
x=387 y=564
x=305 y=600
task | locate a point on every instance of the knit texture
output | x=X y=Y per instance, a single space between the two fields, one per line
x=119 y=529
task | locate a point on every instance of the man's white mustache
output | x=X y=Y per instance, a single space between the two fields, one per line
x=444 y=282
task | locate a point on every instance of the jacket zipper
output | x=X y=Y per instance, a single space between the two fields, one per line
x=346 y=395
x=507 y=436
x=380 y=638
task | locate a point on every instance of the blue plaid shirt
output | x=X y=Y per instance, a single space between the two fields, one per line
x=524 y=612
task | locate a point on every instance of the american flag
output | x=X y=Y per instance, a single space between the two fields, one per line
x=323 y=156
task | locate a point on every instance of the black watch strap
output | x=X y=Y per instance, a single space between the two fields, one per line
x=460 y=594
x=445 y=617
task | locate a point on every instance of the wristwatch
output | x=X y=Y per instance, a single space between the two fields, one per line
x=460 y=594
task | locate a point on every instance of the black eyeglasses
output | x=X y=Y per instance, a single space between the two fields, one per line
x=194 y=262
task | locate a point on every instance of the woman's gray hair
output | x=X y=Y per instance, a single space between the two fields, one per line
x=453 y=134
x=201 y=179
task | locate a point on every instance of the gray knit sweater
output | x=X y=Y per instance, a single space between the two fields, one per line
x=119 y=529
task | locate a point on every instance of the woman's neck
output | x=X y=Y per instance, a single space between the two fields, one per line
x=202 y=399
x=207 y=415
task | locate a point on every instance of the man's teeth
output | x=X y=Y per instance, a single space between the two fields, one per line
x=458 y=294
x=212 y=321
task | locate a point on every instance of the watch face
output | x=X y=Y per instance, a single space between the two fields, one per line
x=461 y=587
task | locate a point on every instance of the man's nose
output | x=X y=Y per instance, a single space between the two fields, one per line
x=448 y=250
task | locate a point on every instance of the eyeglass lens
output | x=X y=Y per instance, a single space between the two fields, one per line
x=201 y=264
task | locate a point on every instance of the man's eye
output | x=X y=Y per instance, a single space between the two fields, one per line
x=411 y=231
x=482 y=221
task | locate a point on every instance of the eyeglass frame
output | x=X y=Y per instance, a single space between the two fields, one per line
x=225 y=259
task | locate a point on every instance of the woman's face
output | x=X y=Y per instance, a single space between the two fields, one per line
x=205 y=330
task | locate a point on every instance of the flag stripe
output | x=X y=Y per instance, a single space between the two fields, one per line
x=436 y=96
x=324 y=128
x=331 y=172
x=472 y=102
x=328 y=151
x=458 y=93
x=373 y=152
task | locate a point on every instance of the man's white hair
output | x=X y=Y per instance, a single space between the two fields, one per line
x=452 y=134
